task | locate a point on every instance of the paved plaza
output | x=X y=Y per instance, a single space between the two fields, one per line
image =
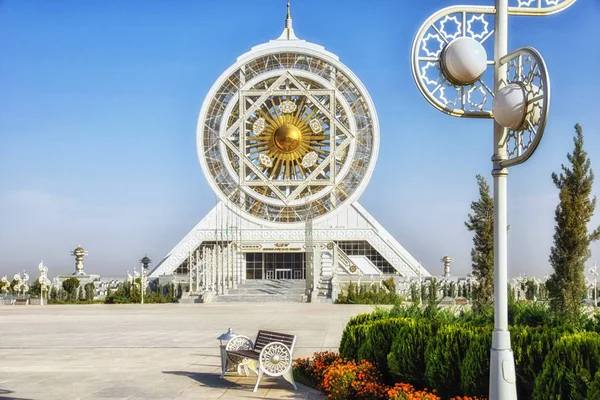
x=166 y=351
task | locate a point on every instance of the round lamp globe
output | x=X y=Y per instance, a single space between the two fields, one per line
x=510 y=106
x=464 y=61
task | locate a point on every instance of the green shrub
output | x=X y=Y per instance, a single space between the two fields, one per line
x=365 y=294
x=530 y=347
x=361 y=319
x=529 y=314
x=594 y=388
x=379 y=336
x=570 y=369
x=475 y=367
x=352 y=338
x=71 y=286
x=443 y=357
x=89 y=292
x=429 y=347
x=406 y=360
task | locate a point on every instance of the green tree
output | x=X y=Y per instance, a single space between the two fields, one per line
x=452 y=291
x=89 y=292
x=531 y=290
x=415 y=295
x=482 y=255
x=570 y=251
x=35 y=288
x=54 y=294
x=432 y=292
x=70 y=286
x=81 y=294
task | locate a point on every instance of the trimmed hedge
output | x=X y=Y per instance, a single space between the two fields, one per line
x=444 y=355
x=379 y=337
x=475 y=367
x=571 y=369
x=443 y=352
x=406 y=360
x=530 y=348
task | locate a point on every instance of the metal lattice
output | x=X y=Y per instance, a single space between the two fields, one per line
x=327 y=150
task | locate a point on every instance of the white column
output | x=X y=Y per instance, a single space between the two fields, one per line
x=502 y=365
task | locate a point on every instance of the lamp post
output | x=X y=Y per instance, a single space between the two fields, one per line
x=44 y=281
x=25 y=286
x=19 y=282
x=145 y=261
x=136 y=275
x=450 y=65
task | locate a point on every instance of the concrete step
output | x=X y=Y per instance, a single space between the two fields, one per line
x=261 y=282
x=266 y=290
x=260 y=298
x=270 y=287
x=190 y=300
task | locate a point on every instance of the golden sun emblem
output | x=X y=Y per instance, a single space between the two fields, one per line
x=283 y=133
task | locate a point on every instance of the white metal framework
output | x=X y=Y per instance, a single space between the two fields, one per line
x=287 y=132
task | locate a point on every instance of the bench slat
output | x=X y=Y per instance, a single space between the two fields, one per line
x=245 y=353
x=265 y=337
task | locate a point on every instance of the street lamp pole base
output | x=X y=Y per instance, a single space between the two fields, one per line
x=503 y=384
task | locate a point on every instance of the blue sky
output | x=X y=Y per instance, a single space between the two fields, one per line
x=99 y=102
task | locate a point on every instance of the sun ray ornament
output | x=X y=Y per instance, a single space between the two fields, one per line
x=461 y=65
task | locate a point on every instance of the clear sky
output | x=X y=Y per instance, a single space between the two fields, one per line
x=99 y=101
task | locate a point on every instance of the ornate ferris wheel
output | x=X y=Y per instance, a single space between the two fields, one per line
x=288 y=132
x=288 y=138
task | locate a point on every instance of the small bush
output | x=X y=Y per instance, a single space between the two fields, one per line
x=406 y=359
x=370 y=295
x=352 y=380
x=475 y=367
x=530 y=348
x=444 y=355
x=570 y=368
x=404 y=391
x=379 y=338
x=353 y=338
x=310 y=372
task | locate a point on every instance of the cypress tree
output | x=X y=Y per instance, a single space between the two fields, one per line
x=482 y=255
x=570 y=251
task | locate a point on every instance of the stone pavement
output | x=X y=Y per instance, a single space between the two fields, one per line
x=164 y=351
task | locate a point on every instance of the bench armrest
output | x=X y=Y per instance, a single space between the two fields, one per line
x=239 y=342
x=275 y=359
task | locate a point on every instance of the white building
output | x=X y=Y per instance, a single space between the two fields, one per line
x=288 y=138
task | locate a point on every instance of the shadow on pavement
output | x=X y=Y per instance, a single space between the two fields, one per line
x=207 y=379
x=6 y=395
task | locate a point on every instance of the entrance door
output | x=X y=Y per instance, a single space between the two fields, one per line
x=283 y=273
x=275 y=266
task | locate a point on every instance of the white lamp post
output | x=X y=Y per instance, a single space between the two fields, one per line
x=450 y=67
x=44 y=281
x=25 y=287
x=145 y=261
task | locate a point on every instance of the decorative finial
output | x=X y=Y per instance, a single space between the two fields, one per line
x=288 y=31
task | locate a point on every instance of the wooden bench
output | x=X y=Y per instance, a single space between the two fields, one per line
x=21 y=302
x=270 y=354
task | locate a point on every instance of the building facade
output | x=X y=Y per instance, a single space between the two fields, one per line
x=287 y=138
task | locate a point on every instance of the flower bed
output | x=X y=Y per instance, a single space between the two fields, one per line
x=342 y=379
